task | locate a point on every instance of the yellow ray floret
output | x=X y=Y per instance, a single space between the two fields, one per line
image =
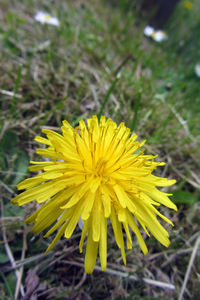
x=96 y=171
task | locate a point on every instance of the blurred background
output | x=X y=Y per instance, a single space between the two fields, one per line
x=75 y=59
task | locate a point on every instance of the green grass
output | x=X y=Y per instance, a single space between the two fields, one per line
x=72 y=72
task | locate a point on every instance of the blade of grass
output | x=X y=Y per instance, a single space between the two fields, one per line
x=7 y=285
x=107 y=96
x=75 y=122
x=137 y=105
x=17 y=83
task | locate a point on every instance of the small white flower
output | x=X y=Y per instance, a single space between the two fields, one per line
x=45 y=18
x=197 y=69
x=148 y=30
x=159 y=36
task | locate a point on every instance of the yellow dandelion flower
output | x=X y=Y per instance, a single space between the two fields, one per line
x=96 y=172
x=188 y=5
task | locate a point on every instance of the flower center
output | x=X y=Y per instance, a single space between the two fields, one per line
x=100 y=167
x=47 y=17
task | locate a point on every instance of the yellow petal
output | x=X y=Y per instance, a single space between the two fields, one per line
x=118 y=233
x=42 y=140
x=64 y=218
x=44 y=219
x=38 y=165
x=83 y=235
x=121 y=214
x=88 y=205
x=106 y=200
x=30 y=182
x=77 y=195
x=135 y=229
x=91 y=254
x=162 y=198
x=129 y=240
x=121 y=195
x=74 y=218
x=103 y=243
x=96 y=217
x=155 y=227
x=57 y=237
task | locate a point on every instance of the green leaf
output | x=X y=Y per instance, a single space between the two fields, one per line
x=10 y=283
x=184 y=197
x=3 y=256
x=22 y=164
x=9 y=142
x=13 y=211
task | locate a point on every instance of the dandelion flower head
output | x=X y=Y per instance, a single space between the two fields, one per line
x=188 y=5
x=96 y=171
